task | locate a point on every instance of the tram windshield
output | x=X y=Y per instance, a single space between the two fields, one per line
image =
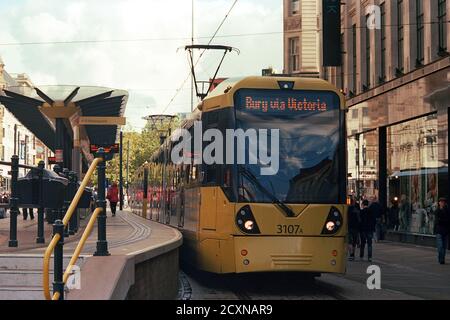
x=308 y=126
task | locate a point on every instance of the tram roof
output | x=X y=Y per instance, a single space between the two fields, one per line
x=268 y=82
x=223 y=94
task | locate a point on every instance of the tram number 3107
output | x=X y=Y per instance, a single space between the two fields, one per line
x=289 y=229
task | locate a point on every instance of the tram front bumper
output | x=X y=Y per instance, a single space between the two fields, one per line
x=277 y=253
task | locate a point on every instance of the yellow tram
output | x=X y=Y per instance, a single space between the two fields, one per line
x=254 y=216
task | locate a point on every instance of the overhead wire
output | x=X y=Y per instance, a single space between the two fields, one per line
x=200 y=56
x=24 y=43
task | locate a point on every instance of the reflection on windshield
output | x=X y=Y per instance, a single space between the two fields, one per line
x=308 y=162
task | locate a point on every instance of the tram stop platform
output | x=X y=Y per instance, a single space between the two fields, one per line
x=143 y=261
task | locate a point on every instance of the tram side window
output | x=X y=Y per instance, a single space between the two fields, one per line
x=194 y=174
x=211 y=174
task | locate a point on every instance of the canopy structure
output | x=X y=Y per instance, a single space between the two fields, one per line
x=68 y=117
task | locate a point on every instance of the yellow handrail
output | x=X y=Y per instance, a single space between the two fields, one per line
x=66 y=219
x=79 y=247
x=84 y=183
x=45 y=273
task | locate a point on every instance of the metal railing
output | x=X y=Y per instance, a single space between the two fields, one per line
x=13 y=204
x=57 y=241
x=73 y=260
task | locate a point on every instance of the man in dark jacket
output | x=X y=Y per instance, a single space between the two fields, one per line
x=377 y=210
x=354 y=221
x=442 y=228
x=367 y=229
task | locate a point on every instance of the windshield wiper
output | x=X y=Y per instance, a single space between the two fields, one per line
x=280 y=204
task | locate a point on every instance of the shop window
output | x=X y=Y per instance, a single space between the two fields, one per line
x=413 y=167
x=363 y=165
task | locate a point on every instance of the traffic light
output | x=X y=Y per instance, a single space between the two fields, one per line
x=331 y=26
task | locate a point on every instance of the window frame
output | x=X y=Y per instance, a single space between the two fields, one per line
x=383 y=40
x=400 y=36
x=420 y=29
x=442 y=25
x=354 y=58
x=294 y=54
x=368 y=48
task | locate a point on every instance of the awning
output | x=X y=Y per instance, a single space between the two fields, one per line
x=24 y=103
x=26 y=110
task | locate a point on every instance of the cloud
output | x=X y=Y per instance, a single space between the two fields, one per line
x=153 y=70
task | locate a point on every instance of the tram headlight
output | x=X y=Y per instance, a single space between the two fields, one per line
x=330 y=225
x=333 y=222
x=246 y=221
x=249 y=224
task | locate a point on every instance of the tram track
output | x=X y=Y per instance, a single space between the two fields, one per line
x=199 y=285
x=139 y=231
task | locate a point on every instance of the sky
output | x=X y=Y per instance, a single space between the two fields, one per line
x=147 y=57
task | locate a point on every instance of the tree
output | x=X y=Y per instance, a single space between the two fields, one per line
x=142 y=146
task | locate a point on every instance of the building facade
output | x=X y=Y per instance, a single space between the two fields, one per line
x=15 y=138
x=302 y=54
x=395 y=75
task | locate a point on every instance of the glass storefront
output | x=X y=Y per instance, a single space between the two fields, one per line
x=402 y=135
x=363 y=165
x=412 y=164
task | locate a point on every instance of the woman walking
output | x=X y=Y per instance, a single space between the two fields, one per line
x=113 y=197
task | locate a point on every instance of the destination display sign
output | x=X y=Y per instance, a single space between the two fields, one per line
x=114 y=148
x=286 y=102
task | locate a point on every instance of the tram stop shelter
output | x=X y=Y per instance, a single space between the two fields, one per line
x=69 y=119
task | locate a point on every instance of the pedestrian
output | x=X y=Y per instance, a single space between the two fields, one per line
x=393 y=215
x=354 y=221
x=3 y=200
x=404 y=213
x=367 y=228
x=377 y=210
x=30 y=211
x=27 y=211
x=93 y=204
x=442 y=228
x=113 y=197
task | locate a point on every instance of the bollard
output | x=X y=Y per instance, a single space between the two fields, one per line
x=13 y=202
x=67 y=200
x=72 y=189
x=40 y=231
x=58 y=284
x=102 y=244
